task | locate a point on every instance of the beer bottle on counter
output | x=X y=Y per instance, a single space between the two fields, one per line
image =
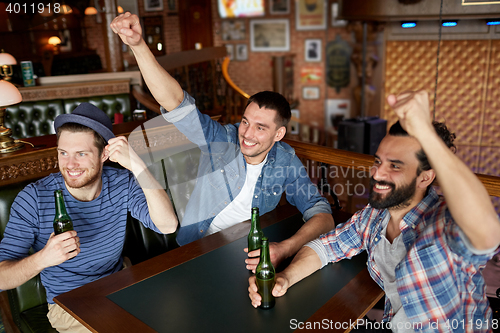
x=255 y=235
x=62 y=221
x=265 y=276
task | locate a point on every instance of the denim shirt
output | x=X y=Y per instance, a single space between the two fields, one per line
x=222 y=173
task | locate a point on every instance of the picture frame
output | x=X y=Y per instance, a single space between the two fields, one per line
x=293 y=126
x=310 y=92
x=171 y=5
x=230 y=51
x=310 y=16
x=312 y=50
x=153 y=5
x=270 y=35
x=241 y=52
x=233 y=30
x=279 y=7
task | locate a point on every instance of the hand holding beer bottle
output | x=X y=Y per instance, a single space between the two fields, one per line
x=265 y=276
x=62 y=221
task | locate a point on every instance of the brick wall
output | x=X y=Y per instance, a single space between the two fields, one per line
x=255 y=74
x=94 y=37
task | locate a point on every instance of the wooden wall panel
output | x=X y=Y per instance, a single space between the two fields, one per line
x=468 y=94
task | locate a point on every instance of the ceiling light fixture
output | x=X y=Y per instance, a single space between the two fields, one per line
x=407 y=25
x=449 y=23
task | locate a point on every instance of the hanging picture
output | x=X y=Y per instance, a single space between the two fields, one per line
x=230 y=51
x=310 y=14
x=277 y=7
x=241 y=52
x=311 y=74
x=313 y=50
x=310 y=92
x=293 y=125
x=269 y=35
x=153 y=5
x=233 y=30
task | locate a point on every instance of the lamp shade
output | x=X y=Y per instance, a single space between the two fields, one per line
x=90 y=11
x=9 y=94
x=65 y=9
x=54 y=40
x=7 y=59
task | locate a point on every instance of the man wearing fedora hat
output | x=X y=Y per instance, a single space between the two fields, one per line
x=97 y=199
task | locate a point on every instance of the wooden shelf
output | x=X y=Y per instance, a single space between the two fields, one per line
x=75 y=90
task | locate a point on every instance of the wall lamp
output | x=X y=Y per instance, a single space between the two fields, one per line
x=6 y=62
x=493 y=22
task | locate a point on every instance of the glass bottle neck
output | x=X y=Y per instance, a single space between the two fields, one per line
x=60 y=207
x=264 y=252
x=255 y=221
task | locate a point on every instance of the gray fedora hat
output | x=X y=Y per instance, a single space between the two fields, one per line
x=88 y=115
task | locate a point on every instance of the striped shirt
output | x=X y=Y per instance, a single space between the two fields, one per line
x=439 y=280
x=100 y=224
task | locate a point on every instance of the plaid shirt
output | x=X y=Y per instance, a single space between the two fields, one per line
x=439 y=280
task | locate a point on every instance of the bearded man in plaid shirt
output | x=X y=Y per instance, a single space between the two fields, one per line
x=425 y=252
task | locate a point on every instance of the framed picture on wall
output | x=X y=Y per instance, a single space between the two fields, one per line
x=310 y=92
x=233 y=29
x=311 y=15
x=230 y=51
x=313 y=49
x=269 y=35
x=153 y=5
x=171 y=6
x=293 y=125
x=241 y=52
x=278 y=7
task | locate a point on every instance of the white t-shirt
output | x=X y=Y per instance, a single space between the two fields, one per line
x=240 y=209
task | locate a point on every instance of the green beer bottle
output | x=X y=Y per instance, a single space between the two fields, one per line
x=255 y=235
x=62 y=221
x=265 y=276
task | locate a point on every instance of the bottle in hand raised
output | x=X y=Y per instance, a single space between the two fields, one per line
x=255 y=235
x=62 y=221
x=265 y=276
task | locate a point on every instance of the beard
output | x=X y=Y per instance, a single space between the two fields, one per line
x=89 y=177
x=397 y=198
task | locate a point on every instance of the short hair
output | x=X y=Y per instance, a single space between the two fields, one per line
x=441 y=130
x=273 y=101
x=99 y=141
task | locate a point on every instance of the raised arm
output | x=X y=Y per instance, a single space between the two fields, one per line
x=165 y=89
x=466 y=197
x=160 y=207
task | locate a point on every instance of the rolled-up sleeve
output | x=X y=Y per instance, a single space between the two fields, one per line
x=317 y=246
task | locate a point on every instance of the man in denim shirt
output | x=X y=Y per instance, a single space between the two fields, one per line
x=241 y=166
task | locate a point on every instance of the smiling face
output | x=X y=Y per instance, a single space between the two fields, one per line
x=79 y=160
x=258 y=132
x=394 y=181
